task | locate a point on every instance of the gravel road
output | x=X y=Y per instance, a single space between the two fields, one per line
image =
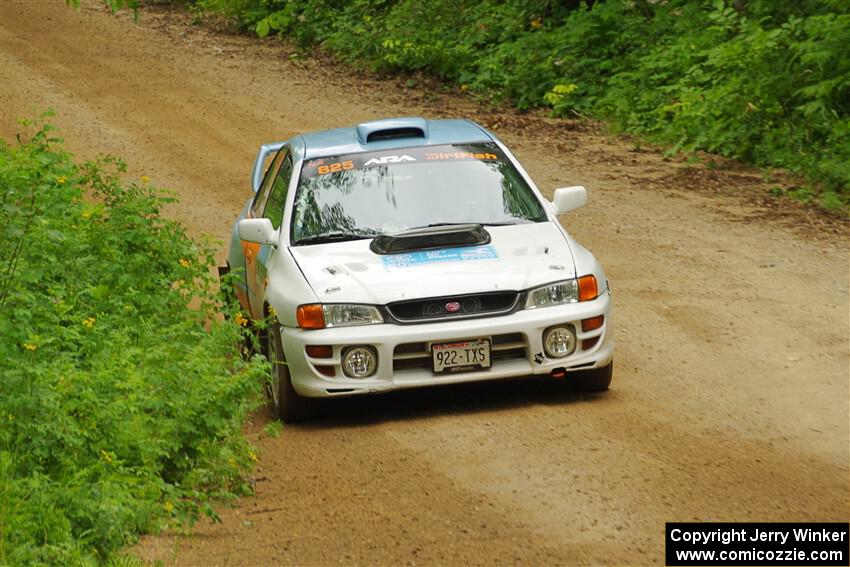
x=730 y=394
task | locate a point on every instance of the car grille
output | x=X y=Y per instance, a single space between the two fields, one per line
x=417 y=356
x=419 y=310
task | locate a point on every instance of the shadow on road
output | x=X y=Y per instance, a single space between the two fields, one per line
x=453 y=399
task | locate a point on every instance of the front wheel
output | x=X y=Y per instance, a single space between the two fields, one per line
x=596 y=380
x=286 y=403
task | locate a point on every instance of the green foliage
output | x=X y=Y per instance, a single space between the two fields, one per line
x=121 y=406
x=273 y=428
x=769 y=84
x=113 y=5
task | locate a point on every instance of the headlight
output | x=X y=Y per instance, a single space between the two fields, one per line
x=560 y=293
x=553 y=294
x=318 y=316
x=347 y=315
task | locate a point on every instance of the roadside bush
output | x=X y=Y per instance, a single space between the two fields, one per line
x=120 y=406
x=767 y=83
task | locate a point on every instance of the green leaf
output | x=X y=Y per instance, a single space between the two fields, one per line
x=263 y=27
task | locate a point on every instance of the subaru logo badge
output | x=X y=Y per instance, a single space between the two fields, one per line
x=452 y=306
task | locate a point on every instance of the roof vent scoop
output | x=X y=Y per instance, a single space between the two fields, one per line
x=392 y=129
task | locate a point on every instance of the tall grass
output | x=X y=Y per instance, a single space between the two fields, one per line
x=120 y=406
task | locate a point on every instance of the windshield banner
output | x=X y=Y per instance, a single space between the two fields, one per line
x=464 y=152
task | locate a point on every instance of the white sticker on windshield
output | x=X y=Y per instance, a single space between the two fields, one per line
x=384 y=160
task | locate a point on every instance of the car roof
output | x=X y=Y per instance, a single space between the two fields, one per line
x=388 y=134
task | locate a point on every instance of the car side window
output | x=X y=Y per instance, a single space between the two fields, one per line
x=277 y=196
x=259 y=204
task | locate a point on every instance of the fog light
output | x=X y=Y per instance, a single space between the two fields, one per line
x=359 y=361
x=559 y=342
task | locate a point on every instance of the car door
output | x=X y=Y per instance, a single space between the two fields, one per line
x=270 y=206
x=251 y=250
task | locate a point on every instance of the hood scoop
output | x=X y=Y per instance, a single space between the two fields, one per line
x=430 y=238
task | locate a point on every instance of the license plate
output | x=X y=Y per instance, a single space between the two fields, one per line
x=461 y=356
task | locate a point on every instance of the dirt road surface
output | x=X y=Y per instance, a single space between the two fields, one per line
x=730 y=395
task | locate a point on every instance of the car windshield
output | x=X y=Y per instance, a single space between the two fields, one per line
x=365 y=194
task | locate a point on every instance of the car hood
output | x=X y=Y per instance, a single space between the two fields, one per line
x=518 y=257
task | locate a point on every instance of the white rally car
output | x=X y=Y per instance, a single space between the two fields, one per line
x=408 y=252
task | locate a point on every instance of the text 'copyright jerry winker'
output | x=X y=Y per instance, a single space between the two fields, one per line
x=691 y=543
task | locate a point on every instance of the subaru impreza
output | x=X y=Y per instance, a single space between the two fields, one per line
x=406 y=252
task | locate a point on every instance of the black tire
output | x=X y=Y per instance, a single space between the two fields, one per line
x=596 y=380
x=285 y=401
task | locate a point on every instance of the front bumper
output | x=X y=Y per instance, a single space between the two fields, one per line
x=404 y=350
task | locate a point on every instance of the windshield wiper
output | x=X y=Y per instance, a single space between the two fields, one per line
x=334 y=237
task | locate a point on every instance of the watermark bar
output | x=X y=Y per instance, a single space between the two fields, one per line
x=810 y=544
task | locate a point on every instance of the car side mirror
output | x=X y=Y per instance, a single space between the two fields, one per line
x=566 y=199
x=260 y=231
